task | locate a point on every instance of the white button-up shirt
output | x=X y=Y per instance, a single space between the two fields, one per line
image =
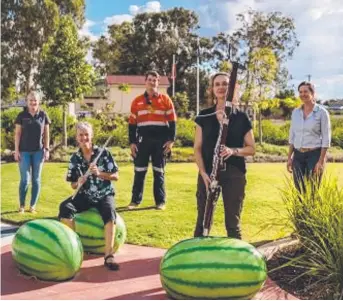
x=312 y=132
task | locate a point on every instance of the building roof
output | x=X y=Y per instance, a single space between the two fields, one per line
x=133 y=80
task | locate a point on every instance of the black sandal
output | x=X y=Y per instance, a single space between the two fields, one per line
x=111 y=265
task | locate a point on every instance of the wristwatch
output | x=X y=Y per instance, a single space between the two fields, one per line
x=235 y=151
x=46 y=149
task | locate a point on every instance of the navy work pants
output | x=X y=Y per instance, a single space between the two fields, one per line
x=147 y=148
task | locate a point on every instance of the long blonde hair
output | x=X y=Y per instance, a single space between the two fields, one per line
x=211 y=97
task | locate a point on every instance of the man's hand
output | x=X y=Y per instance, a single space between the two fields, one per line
x=167 y=147
x=134 y=150
x=17 y=156
x=289 y=165
x=94 y=169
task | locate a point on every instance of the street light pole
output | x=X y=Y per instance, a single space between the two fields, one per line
x=198 y=80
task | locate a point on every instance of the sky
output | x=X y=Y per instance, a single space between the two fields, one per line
x=319 y=27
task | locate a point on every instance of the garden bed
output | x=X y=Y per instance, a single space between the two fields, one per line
x=288 y=278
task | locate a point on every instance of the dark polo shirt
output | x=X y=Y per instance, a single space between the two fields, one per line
x=239 y=125
x=32 y=129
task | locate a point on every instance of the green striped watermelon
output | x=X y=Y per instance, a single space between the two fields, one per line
x=90 y=227
x=212 y=268
x=47 y=249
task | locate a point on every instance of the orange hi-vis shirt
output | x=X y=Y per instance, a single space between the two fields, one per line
x=152 y=117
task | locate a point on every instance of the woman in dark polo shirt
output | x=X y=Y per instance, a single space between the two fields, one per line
x=239 y=144
x=309 y=138
x=31 y=148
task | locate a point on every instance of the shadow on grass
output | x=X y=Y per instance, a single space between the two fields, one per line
x=11 y=217
x=124 y=208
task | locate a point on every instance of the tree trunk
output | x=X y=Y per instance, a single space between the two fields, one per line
x=260 y=127
x=28 y=81
x=64 y=133
x=260 y=119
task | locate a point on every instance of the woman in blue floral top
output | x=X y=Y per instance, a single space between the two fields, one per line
x=96 y=191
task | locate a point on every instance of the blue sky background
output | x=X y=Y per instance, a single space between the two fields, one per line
x=319 y=26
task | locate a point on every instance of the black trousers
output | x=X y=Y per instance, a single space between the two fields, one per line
x=80 y=203
x=303 y=166
x=148 y=147
x=233 y=183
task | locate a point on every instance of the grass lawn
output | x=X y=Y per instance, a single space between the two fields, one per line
x=148 y=226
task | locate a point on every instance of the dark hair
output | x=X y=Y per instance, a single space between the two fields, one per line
x=153 y=73
x=307 y=84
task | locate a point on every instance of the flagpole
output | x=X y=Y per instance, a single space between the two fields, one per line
x=173 y=74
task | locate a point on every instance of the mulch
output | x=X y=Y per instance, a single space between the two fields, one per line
x=289 y=277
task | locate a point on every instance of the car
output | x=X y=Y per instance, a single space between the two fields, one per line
x=83 y=114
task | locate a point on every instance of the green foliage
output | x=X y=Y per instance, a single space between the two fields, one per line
x=271 y=149
x=181 y=103
x=124 y=88
x=25 y=27
x=8 y=127
x=65 y=75
x=288 y=104
x=337 y=137
x=185 y=132
x=316 y=216
x=56 y=116
x=274 y=134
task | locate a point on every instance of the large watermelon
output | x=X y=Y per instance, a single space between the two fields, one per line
x=90 y=227
x=47 y=249
x=212 y=268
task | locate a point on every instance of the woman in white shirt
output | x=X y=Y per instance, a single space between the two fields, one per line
x=309 y=137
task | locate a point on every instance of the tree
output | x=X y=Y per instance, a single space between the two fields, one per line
x=26 y=26
x=181 y=104
x=149 y=42
x=263 y=67
x=272 y=31
x=65 y=75
x=188 y=84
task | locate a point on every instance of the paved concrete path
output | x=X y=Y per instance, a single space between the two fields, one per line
x=138 y=278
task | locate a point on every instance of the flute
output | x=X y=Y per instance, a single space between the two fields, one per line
x=88 y=171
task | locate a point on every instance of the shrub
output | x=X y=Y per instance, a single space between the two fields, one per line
x=316 y=216
x=274 y=134
x=55 y=114
x=337 y=137
x=185 y=132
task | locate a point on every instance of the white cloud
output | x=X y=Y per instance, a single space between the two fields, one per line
x=118 y=19
x=319 y=27
x=85 y=30
x=149 y=7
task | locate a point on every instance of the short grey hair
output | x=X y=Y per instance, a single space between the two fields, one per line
x=34 y=94
x=84 y=126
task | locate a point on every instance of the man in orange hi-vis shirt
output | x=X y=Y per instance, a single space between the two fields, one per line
x=152 y=129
